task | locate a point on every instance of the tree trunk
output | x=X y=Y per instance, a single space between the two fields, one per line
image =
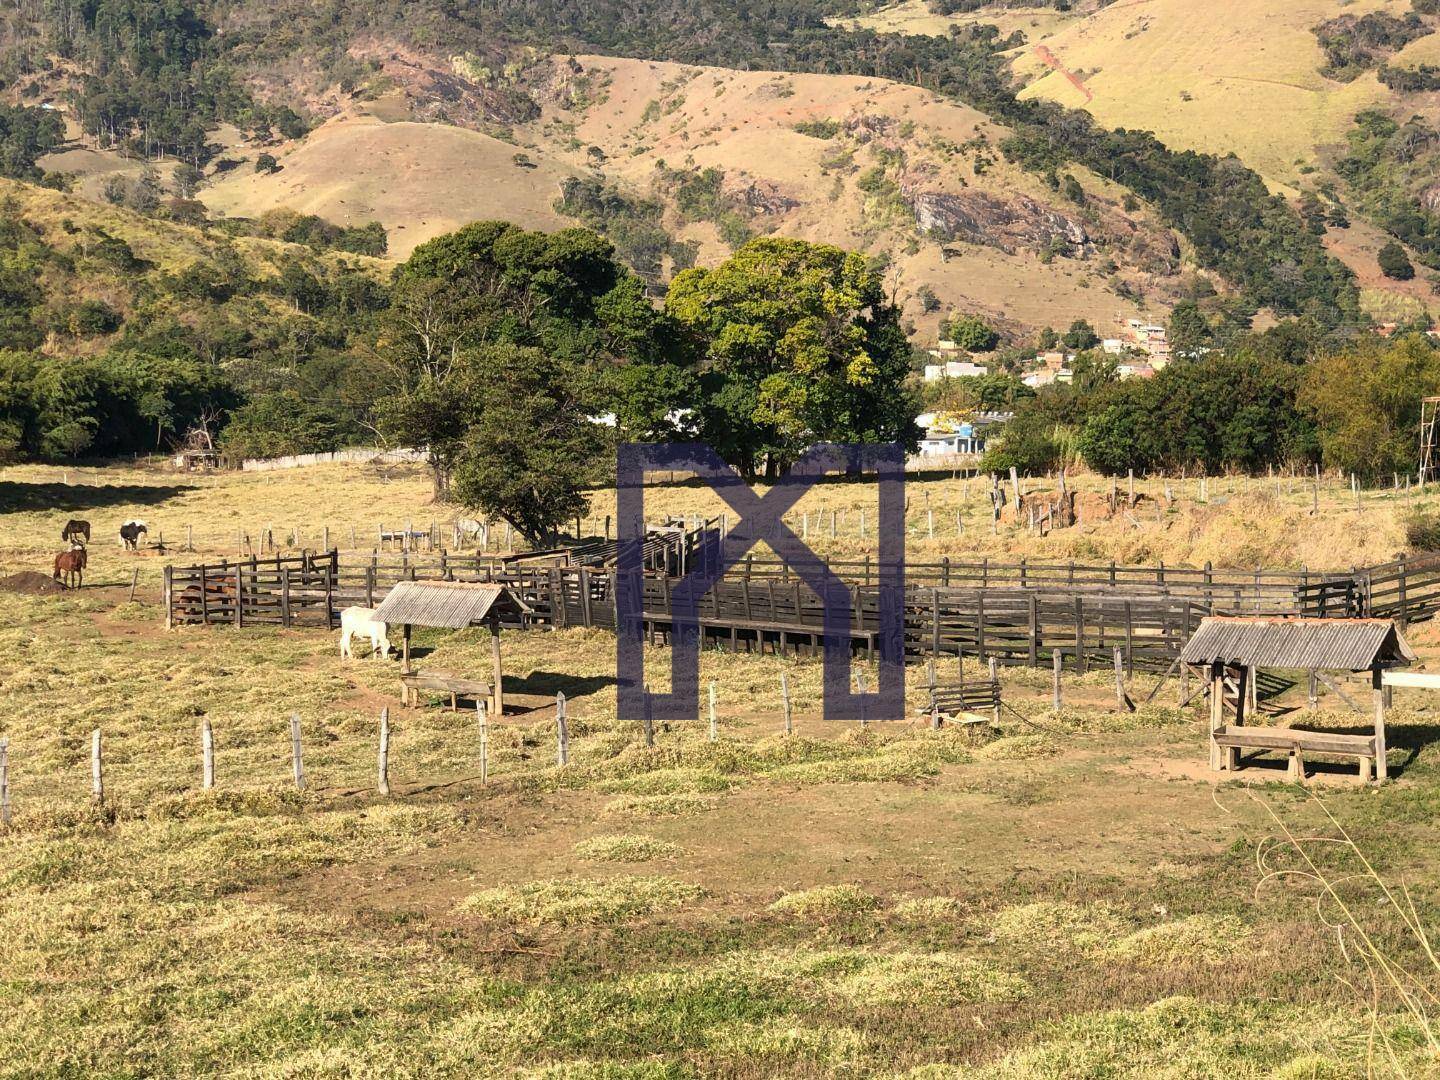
x=439 y=479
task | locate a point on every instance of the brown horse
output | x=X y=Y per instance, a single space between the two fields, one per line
x=76 y=529
x=72 y=565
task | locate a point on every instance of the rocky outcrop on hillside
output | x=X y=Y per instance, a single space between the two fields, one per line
x=758 y=197
x=436 y=91
x=1007 y=224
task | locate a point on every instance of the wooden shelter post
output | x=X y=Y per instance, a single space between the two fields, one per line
x=494 y=621
x=1378 y=693
x=1217 y=709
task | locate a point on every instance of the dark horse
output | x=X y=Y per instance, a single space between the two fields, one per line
x=72 y=565
x=130 y=534
x=75 y=529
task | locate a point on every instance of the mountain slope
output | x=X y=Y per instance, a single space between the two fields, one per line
x=1235 y=78
x=419 y=180
x=864 y=163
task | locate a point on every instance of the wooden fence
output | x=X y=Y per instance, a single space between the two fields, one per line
x=1015 y=614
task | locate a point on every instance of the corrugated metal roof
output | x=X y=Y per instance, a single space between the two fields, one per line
x=1333 y=644
x=450 y=604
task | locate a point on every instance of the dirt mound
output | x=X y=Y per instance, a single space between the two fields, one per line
x=30 y=583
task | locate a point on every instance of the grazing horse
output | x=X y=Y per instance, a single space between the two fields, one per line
x=75 y=529
x=130 y=534
x=360 y=622
x=72 y=565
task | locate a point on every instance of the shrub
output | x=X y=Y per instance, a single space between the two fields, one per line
x=1394 y=263
x=1422 y=530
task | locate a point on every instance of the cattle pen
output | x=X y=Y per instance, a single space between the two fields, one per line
x=1020 y=613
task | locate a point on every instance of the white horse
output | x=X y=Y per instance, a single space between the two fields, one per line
x=360 y=622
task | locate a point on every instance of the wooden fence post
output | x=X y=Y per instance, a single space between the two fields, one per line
x=382 y=757
x=170 y=596
x=207 y=755
x=712 y=710
x=134 y=583
x=483 y=722
x=1121 y=698
x=97 y=773
x=785 y=698
x=1057 y=658
x=649 y=719
x=4 y=783
x=297 y=764
x=562 y=732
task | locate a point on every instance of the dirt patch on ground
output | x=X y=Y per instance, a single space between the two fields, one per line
x=30 y=583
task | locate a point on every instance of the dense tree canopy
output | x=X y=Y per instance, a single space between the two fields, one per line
x=494 y=283
x=797 y=345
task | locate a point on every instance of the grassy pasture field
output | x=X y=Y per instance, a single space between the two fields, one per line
x=1069 y=895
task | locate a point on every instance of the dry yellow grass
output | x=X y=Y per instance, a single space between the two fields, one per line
x=259 y=930
x=1243 y=78
x=1244 y=523
x=418 y=180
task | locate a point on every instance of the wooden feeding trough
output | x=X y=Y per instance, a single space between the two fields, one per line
x=452 y=605
x=1234 y=649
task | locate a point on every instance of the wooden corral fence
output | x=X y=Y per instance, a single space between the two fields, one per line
x=1016 y=614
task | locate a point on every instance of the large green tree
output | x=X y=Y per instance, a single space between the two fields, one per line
x=1365 y=401
x=797 y=343
x=531 y=448
x=494 y=283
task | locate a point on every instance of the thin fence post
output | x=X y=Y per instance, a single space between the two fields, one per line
x=648 y=720
x=1119 y=656
x=562 y=732
x=785 y=698
x=4 y=783
x=712 y=710
x=482 y=721
x=382 y=757
x=1057 y=659
x=207 y=755
x=134 y=583
x=296 y=762
x=97 y=772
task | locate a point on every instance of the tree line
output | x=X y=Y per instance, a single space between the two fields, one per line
x=1268 y=400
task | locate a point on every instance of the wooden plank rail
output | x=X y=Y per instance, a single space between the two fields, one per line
x=1020 y=613
x=748 y=610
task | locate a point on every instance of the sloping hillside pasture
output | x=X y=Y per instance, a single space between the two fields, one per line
x=1067 y=896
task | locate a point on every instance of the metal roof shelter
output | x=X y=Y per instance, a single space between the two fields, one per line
x=1332 y=644
x=452 y=605
x=1234 y=648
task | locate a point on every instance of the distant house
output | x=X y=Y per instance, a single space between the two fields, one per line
x=1152 y=340
x=1045 y=376
x=946 y=436
x=953 y=369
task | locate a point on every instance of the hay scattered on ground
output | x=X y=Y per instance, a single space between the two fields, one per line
x=1018 y=748
x=1209 y=939
x=653 y=806
x=1055 y=924
x=923 y=909
x=825 y=901
x=580 y=902
x=626 y=847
